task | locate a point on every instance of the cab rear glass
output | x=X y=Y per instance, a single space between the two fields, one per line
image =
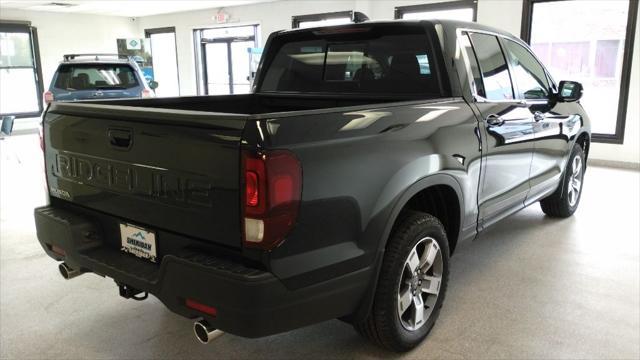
x=75 y=77
x=372 y=60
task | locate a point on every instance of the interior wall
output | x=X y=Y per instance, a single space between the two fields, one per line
x=60 y=33
x=94 y=33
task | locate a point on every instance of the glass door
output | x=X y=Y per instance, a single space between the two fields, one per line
x=165 y=61
x=20 y=87
x=240 y=75
x=217 y=68
x=225 y=59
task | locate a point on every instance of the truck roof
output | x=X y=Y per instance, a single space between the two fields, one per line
x=401 y=22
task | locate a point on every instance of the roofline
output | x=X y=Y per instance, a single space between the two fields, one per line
x=399 y=22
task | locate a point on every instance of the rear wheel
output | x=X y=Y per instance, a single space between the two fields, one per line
x=564 y=201
x=412 y=284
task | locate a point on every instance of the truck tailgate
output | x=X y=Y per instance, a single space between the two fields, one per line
x=156 y=168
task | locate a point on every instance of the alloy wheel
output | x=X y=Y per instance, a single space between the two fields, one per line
x=420 y=284
x=575 y=181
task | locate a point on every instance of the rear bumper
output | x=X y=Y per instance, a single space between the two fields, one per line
x=250 y=302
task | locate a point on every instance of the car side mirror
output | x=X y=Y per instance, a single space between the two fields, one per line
x=569 y=91
x=153 y=84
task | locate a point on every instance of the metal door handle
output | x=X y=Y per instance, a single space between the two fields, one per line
x=538 y=116
x=494 y=120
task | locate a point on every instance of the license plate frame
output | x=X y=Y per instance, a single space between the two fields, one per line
x=138 y=241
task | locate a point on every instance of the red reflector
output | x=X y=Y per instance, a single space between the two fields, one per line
x=201 y=307
x=252 y=188
x=58 y=250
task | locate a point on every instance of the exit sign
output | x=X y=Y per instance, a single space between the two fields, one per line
x=221 y=17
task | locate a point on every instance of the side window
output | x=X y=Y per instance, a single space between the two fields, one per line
x=465 y=43
x=528 y=74
x=494 y=69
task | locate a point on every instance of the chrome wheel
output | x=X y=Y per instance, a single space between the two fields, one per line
x=575 y=181
x=420 y=284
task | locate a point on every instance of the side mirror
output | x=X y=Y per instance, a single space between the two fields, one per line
x=569 y=91
x=153 y=84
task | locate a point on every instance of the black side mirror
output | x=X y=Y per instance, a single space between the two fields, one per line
x=153 y=84
x=569 y=91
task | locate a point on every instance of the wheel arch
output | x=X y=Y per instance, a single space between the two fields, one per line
x=584 y=140
x=409 y=198
x=419 y=187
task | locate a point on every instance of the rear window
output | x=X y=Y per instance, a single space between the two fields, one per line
x=393 y=61
x=95 y=76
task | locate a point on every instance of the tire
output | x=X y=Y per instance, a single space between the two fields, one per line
x=565 y=200
x=384 y=325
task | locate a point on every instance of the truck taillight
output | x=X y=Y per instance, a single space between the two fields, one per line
x=273 y=186
x=48 y=97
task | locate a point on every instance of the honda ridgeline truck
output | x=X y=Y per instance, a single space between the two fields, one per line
x=339 y=188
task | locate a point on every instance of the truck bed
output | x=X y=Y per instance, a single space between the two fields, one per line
x=256 y=104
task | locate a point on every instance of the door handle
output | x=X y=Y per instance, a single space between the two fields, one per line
x=494 y=120
x=538 y=116
x=120 y=138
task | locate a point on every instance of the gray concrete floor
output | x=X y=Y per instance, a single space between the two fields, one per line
x=530 y=287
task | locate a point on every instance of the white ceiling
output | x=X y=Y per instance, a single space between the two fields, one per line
x=135 y=8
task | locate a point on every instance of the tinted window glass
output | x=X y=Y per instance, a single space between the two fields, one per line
x=95 y=76
x=528 y=74
x=495 y=72
x=465 y=43
x=370 y=63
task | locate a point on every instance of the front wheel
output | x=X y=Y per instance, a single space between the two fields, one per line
x=412 y=284
x=564 y=201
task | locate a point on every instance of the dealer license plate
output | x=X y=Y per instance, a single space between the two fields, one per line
x=138 y=241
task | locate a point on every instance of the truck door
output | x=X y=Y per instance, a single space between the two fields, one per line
x=507 y=126
x=552 y=124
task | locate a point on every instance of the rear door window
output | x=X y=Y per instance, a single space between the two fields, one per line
x=95 y=77
x=369 y=61
x=493 y=67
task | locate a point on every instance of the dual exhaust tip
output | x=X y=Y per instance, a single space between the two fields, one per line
x=204 y=332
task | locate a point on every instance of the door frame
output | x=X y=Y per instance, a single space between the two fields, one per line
x=166 y=30
x=20 y=27
x=201 y=54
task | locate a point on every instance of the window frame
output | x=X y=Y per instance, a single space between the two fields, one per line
x=399 y=11
x=551 y=86
x=25 y=27
x=166 y=30
x=499 y=39
x=625 y=78
x=200 y=53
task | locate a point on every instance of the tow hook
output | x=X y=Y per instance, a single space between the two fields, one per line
x=68 y=272
x=129 y=292
x=205 y=333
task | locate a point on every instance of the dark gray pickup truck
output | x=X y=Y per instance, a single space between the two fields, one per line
x=338 y=189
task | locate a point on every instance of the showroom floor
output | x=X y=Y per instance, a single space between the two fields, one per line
x=531 y=287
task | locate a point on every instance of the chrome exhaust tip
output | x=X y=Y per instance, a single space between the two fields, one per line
x=67 y=272
x=205 y=333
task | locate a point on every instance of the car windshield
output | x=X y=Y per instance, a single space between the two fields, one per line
x=394 y=60
x=95 y=77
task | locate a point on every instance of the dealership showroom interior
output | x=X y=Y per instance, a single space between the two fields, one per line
x=424 y=179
